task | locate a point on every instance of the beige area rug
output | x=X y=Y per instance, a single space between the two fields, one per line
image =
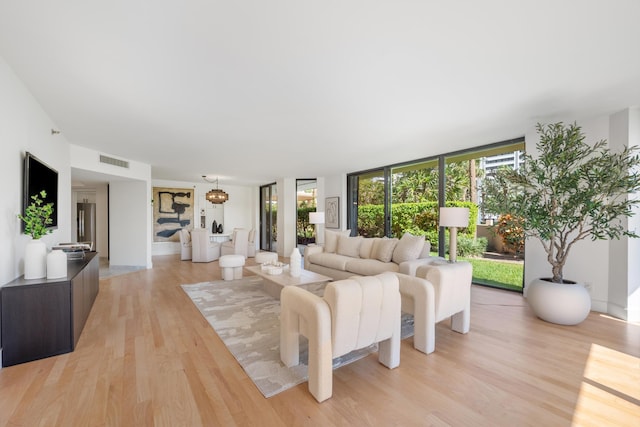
x=248 y=322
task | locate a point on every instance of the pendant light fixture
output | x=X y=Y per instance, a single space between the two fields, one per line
x=215 y=195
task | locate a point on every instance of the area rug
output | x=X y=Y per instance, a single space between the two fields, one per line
x=248 y=322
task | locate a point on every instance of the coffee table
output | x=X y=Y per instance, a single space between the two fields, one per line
x=273 y=283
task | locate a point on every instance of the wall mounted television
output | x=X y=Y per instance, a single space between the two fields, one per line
x=39 y=176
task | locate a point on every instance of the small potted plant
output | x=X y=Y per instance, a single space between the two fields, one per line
x=570 y=192
x=36 y=218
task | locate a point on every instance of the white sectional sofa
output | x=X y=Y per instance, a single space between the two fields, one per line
x=343 y=256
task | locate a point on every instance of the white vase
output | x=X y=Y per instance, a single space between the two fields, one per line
x=295 y=263
x=560 y=303
x=56 y=264
x=35 y=260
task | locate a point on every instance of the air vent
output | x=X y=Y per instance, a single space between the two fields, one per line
x=112 y=161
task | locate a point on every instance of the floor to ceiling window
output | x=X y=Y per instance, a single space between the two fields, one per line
x=306 y=201
x=406 y=198
x=369 y=198
x=268 y=218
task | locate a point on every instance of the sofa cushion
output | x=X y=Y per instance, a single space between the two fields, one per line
x=331 y=239
x=408 y=248
x=383 y=249
x=349 y=246
x=335 y=261
x=366 y=247
x=426 y=250
x=370 y=267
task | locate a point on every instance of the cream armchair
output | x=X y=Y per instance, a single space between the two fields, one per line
x=441 y=290
x=238 y=245
x=185 y=244
x=203 y=250
x=353 y=314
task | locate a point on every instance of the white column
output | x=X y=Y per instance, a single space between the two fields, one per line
x=624 y=269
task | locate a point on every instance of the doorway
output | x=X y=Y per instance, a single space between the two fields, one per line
x=269 y=218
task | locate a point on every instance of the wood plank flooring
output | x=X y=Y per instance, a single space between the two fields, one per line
x=148 y=358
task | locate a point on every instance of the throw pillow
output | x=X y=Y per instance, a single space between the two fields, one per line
x=331 y=240
x=408 y=248
x=426 y=250
x=383 y=249
x=366 y=248
x=349 y=246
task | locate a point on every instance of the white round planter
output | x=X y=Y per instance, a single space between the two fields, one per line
x=563 y=304
x=35 y=260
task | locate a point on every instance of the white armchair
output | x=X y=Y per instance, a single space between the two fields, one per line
x=445 y=293
x=203 y=249
x=353 y=314
x=238 y=245
x=185 y=244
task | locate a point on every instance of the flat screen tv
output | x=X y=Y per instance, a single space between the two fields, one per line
x=39 y=176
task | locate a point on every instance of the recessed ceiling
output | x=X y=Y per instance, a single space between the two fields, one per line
x=256 y=90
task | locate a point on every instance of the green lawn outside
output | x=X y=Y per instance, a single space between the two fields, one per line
x=507 y=275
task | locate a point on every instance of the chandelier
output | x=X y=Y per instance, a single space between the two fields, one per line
x=216 y=195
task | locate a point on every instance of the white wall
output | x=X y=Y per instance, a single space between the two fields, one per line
x=287 y=216
x=128 y=214
x=624 y=275
x=24 y=126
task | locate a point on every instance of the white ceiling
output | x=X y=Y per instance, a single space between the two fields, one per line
x=254 y=90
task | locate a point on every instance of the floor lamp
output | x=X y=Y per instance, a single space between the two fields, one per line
x=454 y=218
x=316 y=218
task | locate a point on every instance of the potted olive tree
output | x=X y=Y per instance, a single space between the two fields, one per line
x=572 y=191
x=37 y=219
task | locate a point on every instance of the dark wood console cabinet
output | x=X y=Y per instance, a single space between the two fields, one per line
x=42 y=318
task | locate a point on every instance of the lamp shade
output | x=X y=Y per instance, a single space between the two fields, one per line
x=454 y=217
x=316 y=217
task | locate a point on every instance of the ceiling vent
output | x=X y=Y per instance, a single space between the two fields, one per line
x=111 y=161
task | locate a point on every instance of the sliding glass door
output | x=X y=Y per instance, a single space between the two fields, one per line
x=268 y=218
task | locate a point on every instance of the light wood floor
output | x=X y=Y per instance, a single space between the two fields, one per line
x=147 y=357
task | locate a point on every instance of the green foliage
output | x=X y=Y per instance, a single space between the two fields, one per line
x=305 y=231
x=420 y=185
x=509 y=229
x=37 y=216
x=469 y=247
x=507 y=275
x=572 y=191
x=371 y=220
x=419 y=219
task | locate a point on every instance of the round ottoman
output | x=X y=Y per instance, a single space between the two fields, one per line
x=231 y=266
x=264 y=257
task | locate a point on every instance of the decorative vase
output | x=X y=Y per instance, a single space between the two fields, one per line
x=56 y=264
x=35 y=260
x=220 y=228
x=560 y=303
x=295 y=263
x=214 y=227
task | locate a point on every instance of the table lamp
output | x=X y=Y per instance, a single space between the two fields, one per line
x=454 y=218
x=316 y=218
